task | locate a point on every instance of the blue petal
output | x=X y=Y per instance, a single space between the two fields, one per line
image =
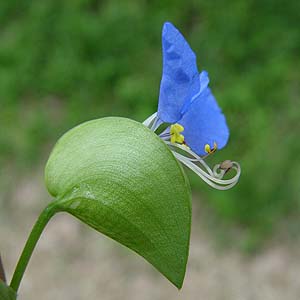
x=203 y=83
x=180 y=75
x=204 y=123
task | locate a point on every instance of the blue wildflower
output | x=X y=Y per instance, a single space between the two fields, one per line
x=197 y=125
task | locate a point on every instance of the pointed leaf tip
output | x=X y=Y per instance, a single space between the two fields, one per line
x=117 y=176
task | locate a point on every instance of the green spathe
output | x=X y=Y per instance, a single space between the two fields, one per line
x=117 y=176
x=6 y=293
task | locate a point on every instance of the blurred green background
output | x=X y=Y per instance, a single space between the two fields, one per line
x=65 y=62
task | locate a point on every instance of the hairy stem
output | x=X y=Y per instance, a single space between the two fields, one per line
x=33 y=238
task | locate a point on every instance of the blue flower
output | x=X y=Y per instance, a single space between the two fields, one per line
x=185 y=97
x=197 y=125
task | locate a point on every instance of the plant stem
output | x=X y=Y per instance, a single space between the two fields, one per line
x=33 y=238
x=2 y=273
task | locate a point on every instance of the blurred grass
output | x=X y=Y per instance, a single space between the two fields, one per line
x=64 y=62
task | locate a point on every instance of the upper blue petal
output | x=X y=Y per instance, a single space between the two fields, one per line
x=180 y=77
x=204 y=123
x=203 y=83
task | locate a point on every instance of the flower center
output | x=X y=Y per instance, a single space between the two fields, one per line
x=175 y=132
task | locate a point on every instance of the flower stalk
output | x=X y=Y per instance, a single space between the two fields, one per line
x=2 y=273
x=32 y=240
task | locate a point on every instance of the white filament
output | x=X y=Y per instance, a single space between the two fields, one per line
x=150 y=119
x=213 y=177
x=215 y=181
x=195 y=158
x=153 y=122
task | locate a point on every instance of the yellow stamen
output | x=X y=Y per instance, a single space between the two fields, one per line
x=175 y=130
x=210 y=150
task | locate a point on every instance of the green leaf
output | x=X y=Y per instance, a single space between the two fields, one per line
x=120 y=178
x=6 y=293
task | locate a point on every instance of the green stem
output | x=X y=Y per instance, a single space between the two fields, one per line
x=33 y=238
x=2 y=273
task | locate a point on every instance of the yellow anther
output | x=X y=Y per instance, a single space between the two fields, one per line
x=209 y=150
x=175 y=130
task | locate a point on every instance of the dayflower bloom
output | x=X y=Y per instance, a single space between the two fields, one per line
x=197 y=126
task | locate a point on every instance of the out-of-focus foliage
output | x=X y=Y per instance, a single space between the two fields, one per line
x=63 y=62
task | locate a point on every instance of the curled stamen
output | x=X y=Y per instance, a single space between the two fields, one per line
x=215 y=181
x=195 y=157
x=213 y=177
x=226 y=165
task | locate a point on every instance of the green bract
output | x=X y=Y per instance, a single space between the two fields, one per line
x=6 y=293
x=117 y=176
